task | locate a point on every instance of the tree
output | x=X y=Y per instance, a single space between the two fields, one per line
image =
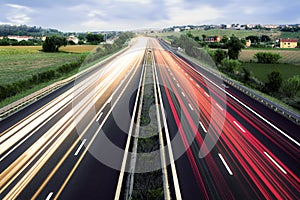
x=224 y=39
x=265 y=38
x=189 y=34
x=229 y=65
x=234 y=46
x=254 y=39
x=291 y=87
x=219 y=55
x=267 y=57
x=94 y=38
x=197 y=38
x=246 y=74
x=52 y=43
x=274 y=82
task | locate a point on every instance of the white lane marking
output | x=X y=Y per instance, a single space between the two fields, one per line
x=225 y=86
x=178 y=85
x=191 y=79
x=206 y=94
x=219 y=107
x=80 y=147
x=250 y=109
x=281 y=169
x=191 y=107
x=99 y=116
x=198 y=85
x=174 y=78
x=202 y=126
x=186 y=74
x=183 y=94
x=239 y=126
x=225 y=164
x=49 y=196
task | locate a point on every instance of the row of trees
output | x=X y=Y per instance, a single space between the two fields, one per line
x=12 y=42
x=23 y=30
x=41 y=77
x=52 y=43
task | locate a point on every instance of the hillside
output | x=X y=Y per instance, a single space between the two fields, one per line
x=24 y=30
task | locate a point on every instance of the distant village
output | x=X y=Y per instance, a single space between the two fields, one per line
x=281 y=42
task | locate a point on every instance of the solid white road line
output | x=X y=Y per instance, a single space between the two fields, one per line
x=239 y=126
x=279 y=167
x=191 y=107
x=49 y=196
x=99 y=116
x=204 y=129
x=225 y=164
x=219 y=107
x=80 y=147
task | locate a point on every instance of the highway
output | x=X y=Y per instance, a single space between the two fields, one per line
x=234 y=147
x=216 y=142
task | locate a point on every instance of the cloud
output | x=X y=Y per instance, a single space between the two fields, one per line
x=17 y=14
x=87 y=15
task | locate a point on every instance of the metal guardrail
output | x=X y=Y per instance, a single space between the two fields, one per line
x=270 y=104
x=20 y=104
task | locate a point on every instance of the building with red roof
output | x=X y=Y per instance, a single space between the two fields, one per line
x=288 y=43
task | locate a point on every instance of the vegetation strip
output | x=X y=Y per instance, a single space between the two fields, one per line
x=148 y=185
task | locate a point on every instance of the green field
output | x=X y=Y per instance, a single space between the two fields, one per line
x=17 y=63
x=262 y=70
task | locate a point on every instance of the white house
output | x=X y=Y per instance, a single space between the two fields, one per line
x=176 y=30
x=73 y=38
x=19 y=38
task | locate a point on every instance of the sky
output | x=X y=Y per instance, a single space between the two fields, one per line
x=98 y=15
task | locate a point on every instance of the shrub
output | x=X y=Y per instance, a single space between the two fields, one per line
x=291 y=87
x=267 y=57
x=274 y=82
x=230 y=65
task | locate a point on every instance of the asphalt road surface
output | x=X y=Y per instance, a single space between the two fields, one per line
x=73 y=143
